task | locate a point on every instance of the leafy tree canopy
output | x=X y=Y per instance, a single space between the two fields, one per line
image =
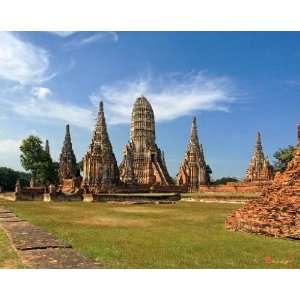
x=224 y=180
x=282 y=157
x=35 y=159
x=8 y=178
x=209 y=172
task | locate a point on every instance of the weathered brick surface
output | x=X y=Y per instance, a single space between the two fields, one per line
x=57 y=258
x=27 y=236
x=277 y=212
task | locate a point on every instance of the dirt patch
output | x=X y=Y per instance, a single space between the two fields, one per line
x=138 y=209
x=114 y=222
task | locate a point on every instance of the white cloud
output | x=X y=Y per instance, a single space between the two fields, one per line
x=9 y=146
x=21 y=61
x=171 y=96
x=39 y=104
x=41 y=92
x=63 y=34
x=50 y=109
x=10 y=153
x=92 y=38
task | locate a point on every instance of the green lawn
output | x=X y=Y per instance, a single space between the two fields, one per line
x=8 y=256
x=220 y=195
x=182 y=235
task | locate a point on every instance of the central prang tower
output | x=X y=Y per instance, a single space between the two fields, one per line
x=143 y=161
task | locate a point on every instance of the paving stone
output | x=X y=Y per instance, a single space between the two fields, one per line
x=58 y=258
x=4 y=210
x=7 y=215
x=27 y=236
x=40 y=249
x=11 y=219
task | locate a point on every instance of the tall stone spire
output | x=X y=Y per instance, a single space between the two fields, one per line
x=194 y=135
x=259 y=167
x=192 y=172
x=67 y=161
x=100 y=169
x=142 y=155
x=47 y=148
x=258 y=146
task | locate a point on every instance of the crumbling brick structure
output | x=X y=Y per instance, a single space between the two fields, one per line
x=277 y=212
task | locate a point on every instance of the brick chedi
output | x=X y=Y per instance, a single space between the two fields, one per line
x=277 y=212
x=68 y=172
x=259 y=168
x=100 y=169
x=192 y=172
x=143 y=162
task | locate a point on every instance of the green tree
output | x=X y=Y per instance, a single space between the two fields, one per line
x=36 y=160
x=224 y=180
x=209 y=172
x=283 y=156
x=8 y=178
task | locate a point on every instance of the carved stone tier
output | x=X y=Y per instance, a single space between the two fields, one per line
x=143 y=162
x=193 y=172
x=68 y=172
x=259 y=167
x=100 y=169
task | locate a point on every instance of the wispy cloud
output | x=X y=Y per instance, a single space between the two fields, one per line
x=41 y=92
x=9 y=146
x=40 y=104
x=21 y=61
x=55 y=110
x=62 y=34
x=9 y=153
x=171 y=96
x=89 y=38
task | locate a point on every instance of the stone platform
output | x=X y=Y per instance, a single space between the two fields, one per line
x=133 y=198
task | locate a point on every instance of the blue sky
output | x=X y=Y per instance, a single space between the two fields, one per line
x=235 y=83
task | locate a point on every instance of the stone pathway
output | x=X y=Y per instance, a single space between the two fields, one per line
x=40 y=249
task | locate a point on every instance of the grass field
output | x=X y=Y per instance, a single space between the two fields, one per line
x=182 y=235
x=220 y=195
x=8 y=256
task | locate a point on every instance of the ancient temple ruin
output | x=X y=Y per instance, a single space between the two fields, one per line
x=100 y=169
x=143 y=162
x=193 y=172
x=277 y=212
x=259 y=167
x=68 y=172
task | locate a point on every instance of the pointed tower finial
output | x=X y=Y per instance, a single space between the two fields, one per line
x=67 y=131
x=101 y=106
x=258 y=145
x=47 y=147
x=194 y=134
